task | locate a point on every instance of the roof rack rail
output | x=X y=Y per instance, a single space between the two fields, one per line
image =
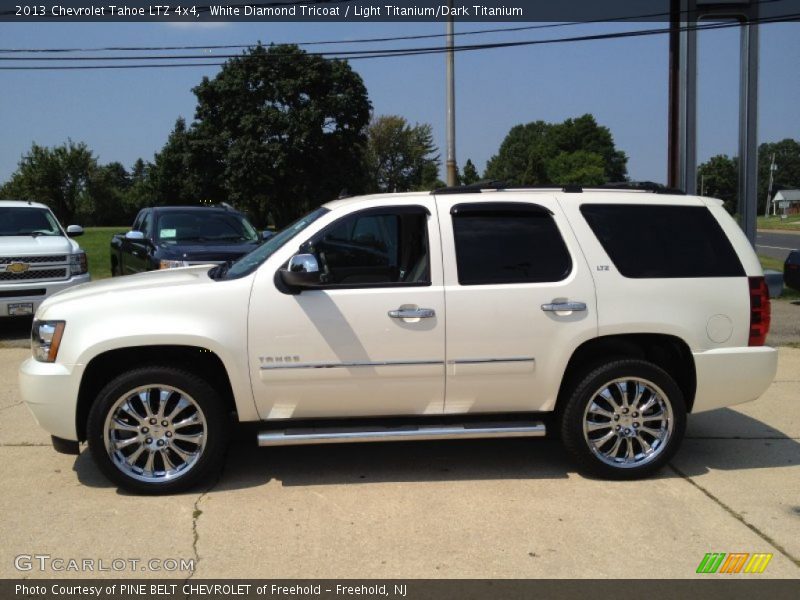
x=569 y=188
x=472 y=188
x=644 y=186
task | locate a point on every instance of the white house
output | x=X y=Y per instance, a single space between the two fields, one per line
x=792 y=200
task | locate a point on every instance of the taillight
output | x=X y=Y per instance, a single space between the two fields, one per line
x=759 y=311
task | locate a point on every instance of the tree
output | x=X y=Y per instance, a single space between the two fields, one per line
x=104 y=202
x=401 y=157
x=539 y=153
x=177 y=175
x=279 y=131
x=787 y=173
x=58 y=177
x=718 y=177
x=581 y=166
x=470 y=174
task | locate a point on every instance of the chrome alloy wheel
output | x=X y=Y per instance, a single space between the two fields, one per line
x=628 y=422
x=155 y=433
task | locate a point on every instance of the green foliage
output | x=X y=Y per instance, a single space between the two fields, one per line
x=401 y=157
x=718 y=178
x=59 y=177
x=470 y=174
x=575 y=151
x=787 y=173
x=278 y=131
x=172 y=178
x=719 y=175
x=586 y=168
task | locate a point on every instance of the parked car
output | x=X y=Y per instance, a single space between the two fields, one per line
x=791 y=270
x=166 y=237
x=37 y=258
x=604 y=315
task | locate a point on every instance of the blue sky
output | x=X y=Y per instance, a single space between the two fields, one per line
x=127 y=114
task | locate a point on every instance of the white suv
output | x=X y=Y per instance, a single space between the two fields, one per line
x=37 y=258
x=603 y=315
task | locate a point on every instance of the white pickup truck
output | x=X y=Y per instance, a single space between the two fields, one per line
x=603 y=315
x=37 y=258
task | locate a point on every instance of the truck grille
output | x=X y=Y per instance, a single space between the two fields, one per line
x=32 y=275
x=7 y=260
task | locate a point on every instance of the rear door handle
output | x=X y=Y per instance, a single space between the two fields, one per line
x=412 y=313
x=564 y=307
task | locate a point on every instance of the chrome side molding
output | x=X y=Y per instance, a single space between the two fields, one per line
x=350 y=365
x=480 y=361
x=332 y=435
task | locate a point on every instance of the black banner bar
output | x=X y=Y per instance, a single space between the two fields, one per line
x=711 y=588
x=375 y=10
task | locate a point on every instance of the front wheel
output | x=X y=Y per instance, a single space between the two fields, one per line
x=624 y=419
x=158 y=430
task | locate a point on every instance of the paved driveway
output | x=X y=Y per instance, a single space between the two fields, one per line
x=502 y=508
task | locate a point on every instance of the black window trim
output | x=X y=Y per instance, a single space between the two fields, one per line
x=375 y=210
x=496 y=208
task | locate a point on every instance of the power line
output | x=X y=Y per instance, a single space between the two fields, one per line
x=385 y=53
x=354 y=41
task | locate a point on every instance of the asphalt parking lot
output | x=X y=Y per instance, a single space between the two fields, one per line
x=467 y=509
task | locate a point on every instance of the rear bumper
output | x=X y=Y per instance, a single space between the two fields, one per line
x=729 y=376
x=35 y=292
x=50 y=390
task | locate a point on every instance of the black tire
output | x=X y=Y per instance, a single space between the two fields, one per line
x=200 y=399
x=602 y=461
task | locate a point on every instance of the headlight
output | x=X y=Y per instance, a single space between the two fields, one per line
x=172 y=264
x=45 y=339
x=78 y=263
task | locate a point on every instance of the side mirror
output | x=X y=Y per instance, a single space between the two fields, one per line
x=266 y=234
x=302 y=272
x=74 y=230
x=136 y=236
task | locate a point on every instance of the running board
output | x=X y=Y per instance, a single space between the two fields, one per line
x=333 y=435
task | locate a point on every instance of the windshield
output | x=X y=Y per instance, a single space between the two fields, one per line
x=27 y=220
x=250 y=262
x=201 y=226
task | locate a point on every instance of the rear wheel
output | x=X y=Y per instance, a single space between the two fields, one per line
x=624 y=419
x=158 y=430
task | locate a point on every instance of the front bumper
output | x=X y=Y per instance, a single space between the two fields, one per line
x=729 y=376
x=35 y=292
x=50 y=390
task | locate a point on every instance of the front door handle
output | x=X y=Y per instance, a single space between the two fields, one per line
x=564 y=306
x=412 y=313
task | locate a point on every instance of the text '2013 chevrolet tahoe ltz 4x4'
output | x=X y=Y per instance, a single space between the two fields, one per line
x=605 y=316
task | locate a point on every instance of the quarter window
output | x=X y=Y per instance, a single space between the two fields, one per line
x=657 y=241
x=508 y=243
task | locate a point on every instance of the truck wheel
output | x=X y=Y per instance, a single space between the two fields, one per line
x=624 y=419
x=158 y=430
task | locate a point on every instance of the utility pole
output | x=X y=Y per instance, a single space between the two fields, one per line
x=450 y=165
x=772 y=168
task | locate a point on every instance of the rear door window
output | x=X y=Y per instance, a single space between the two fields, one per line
x=657 y=241
x=508 y=242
